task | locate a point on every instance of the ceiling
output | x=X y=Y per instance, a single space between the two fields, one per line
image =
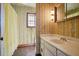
x=29 y=4
x=25 y=4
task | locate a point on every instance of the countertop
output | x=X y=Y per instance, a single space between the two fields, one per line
x=71 y=47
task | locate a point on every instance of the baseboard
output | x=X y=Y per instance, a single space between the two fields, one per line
x=24 y=45
x=15 y=50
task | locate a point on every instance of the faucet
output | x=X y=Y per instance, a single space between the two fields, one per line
x=63 y=38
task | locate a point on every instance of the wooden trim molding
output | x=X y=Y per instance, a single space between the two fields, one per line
x=24 y=45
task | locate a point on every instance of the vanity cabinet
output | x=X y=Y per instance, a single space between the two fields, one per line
x=51 y=48
x=47 y=49
x=42 y=47
x=59 y=53
x=47 y=52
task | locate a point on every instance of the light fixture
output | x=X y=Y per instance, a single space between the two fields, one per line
x=53 y=14
x=52 y=17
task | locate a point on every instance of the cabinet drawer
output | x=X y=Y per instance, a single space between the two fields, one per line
x=59 y=53
x=51 y=48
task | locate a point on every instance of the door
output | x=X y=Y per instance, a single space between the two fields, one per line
x=1 y=28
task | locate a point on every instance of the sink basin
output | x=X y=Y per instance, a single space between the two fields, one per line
x=52 y=37
x=58 y=41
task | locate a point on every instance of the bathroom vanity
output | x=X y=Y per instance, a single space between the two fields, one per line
x=53 y=45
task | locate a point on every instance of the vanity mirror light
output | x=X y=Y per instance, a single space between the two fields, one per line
x=53 y=14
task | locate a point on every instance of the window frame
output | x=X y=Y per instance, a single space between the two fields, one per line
x=27 y=21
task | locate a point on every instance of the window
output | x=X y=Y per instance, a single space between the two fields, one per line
x=31 y=19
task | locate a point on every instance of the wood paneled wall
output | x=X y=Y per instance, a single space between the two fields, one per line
x=67 y=28
x=46 y=24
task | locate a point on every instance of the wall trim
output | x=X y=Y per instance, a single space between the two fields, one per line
x=24 y=45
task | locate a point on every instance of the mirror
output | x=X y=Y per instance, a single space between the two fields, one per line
x=60 y=12
x=73 y=17
x=72 y=10
x=67 y=9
